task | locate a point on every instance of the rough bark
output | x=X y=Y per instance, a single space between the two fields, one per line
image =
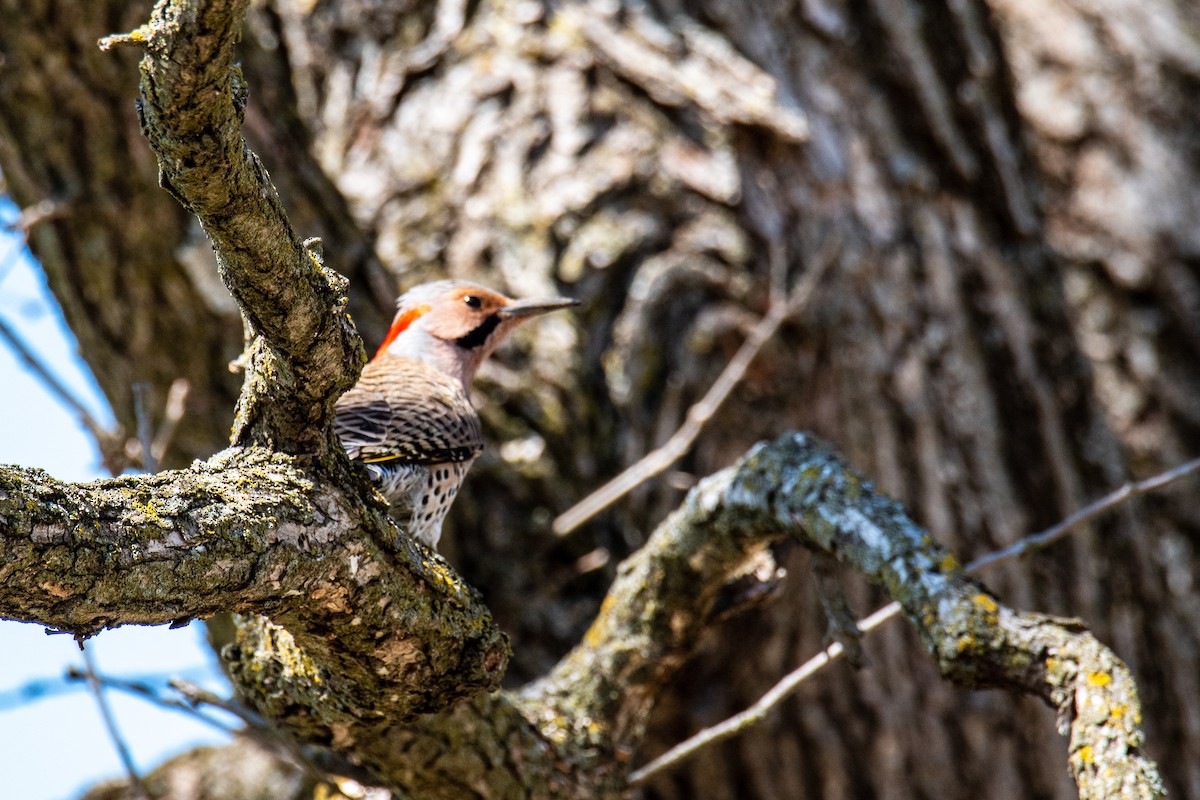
x=359 y=647
x=303 y=349
x=251 y=531
x=1012 y=326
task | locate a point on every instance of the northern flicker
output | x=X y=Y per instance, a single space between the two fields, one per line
x=409 y=418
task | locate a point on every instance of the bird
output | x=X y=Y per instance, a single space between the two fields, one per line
x=409 y=419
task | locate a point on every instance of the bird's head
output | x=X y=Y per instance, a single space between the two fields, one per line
x=454 y=325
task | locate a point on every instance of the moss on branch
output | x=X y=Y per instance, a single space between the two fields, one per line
x=374 y=630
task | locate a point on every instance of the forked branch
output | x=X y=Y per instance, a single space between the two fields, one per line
x=192 y=103
x=787 y=685
x=798 y=488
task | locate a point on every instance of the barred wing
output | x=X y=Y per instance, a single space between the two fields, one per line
x=405 y=412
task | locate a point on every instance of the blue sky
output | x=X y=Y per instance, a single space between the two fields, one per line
x=57 y=747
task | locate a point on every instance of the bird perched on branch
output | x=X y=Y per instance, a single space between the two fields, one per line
x=409 y=418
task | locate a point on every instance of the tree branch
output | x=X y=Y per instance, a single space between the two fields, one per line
x=373 y=632
x=355 y=661
x=192 y=103
x=787 y=685
x=798 y=488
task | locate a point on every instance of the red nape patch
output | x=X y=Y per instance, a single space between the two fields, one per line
x=398 y=327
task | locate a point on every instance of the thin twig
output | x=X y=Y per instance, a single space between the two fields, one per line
x=790 y=682
x=259 y=726
x=199 y=696
x=172 y=414
x=150 y=446
x=43 y=688
x=699 y=414
x=31 y=360
x=111 y=443
x=32 y=691
x=147 y=692
x=256 y=727
x=110 y=722
x=763 y=706
x=1052 y=534
x=39 y=212
x=145 y=426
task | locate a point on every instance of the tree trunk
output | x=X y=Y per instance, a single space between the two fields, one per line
x=1010 y=326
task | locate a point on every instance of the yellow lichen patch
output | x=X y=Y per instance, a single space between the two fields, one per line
x=554 y=727
x=440 y=576
x=1086 y=755
x=1118 y=711
x=986 y=603
x=593 y=729
x=597 y=630
x=949 y=563
x=1051 y=664
x=965 y=642
x=278 y=647
x=1099 y=679
x=606 y=606
x=595 y=633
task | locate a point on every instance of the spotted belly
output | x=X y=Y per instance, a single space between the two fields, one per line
x=426 y=491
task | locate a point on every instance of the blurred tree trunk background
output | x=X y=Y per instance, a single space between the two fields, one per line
x=1008 y=190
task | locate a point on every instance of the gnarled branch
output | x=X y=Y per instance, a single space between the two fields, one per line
x=798 y=488
x=192 y=103
x=567 y=734
x=372 y=632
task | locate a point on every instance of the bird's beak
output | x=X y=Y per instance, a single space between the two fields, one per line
x=519 y=309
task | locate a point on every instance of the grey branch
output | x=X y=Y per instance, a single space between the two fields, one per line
x=798 y=488
x=787 y=685
x=252 y=531
x=191 y=107
x=372 y=637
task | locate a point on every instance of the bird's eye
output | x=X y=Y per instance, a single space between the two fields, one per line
x=472 y=301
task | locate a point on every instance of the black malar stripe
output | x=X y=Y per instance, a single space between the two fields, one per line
x=480 y=335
